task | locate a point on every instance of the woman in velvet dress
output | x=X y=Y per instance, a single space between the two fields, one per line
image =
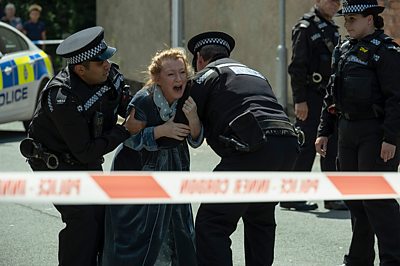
x=157 y=234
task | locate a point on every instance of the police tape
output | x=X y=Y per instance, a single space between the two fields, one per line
x=184 y=187
x=41 y=42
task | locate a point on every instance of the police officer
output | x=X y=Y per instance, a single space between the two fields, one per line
x=74 y=125
x=246 y=126
x=313 y=40
x=365 y=95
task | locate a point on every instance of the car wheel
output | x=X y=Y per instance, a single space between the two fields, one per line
x=26 y=123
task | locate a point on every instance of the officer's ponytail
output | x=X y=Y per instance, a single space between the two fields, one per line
x=378 y=22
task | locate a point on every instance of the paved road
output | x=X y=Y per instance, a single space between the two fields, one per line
x=28 y=232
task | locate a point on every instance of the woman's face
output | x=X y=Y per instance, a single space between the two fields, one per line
x=358 y=26
x=172 y=79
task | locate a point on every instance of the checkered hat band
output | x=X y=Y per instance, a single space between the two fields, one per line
x=86 y=55
x=356 y=8
x=208 y=41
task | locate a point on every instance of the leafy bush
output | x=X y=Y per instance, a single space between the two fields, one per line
x=62 y=18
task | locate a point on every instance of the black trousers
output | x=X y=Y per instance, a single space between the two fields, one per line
x=216 y=222
x=307 y=154
x=81 y=241
x=359 y=150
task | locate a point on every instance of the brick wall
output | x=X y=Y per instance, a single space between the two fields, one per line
x=391 y=15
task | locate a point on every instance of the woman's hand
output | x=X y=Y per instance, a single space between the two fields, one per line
x=171 y=129
x=321 y=145
x=190 y=110
x=387 y=151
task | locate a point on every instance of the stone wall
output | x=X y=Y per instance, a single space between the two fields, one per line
x=139 y=28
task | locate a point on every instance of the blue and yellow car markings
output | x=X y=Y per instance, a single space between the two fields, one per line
x=43 y=65
x=7 y=79
x=47 y=62
x=24 y=70
x=1 y=76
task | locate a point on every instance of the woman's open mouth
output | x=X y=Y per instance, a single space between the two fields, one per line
x=178 y=88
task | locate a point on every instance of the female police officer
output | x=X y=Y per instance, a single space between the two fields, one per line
x=365 y=94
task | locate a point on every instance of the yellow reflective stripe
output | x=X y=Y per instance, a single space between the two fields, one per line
x=47 y=61
x=1 y=80
x=26 y=72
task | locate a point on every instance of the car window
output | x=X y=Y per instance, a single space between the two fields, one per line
x=10 y=42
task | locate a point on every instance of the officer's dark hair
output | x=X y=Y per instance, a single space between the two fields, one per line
x=86 y=64
x=378 y=20
x=213 y=52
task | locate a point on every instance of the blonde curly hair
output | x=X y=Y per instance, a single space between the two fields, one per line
x=155 y=67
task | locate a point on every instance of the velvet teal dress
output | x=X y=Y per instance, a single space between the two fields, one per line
x=151 y=234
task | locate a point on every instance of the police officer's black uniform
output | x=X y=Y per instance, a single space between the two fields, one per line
x=366 y=98
x=246 y=126
x=75 y=124
x=313 y=41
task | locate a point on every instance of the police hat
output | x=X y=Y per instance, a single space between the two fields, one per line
x=360 y=6
x=210 y=38
x=84 y=45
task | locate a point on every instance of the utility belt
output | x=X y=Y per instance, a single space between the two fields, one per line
x=246 y=134
x=281 y=128
x=373 y=113
x=31 y=149
x=358 y=116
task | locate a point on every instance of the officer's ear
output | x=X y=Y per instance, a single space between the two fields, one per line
x=370 y=20
x=200 y=62
x=79 y=69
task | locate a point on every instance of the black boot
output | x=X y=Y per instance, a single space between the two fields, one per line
x=335 y=205
x=299 y=205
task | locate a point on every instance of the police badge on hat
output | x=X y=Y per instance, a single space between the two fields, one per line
x=360 y=6
x=84 y=45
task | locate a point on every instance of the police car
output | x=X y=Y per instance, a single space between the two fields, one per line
x=25 y=70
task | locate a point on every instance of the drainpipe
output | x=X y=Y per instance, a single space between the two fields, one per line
x=177 y=23
x=282 y=57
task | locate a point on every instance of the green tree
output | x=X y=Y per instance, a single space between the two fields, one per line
x=62 y=18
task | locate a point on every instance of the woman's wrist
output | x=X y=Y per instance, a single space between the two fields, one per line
x=159 y=131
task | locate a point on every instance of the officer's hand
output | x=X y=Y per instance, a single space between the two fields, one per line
x=132 y=124
x=171 y=129
x=301 y=110
x=190 y=110
x=387 y=151
x=321 y=145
